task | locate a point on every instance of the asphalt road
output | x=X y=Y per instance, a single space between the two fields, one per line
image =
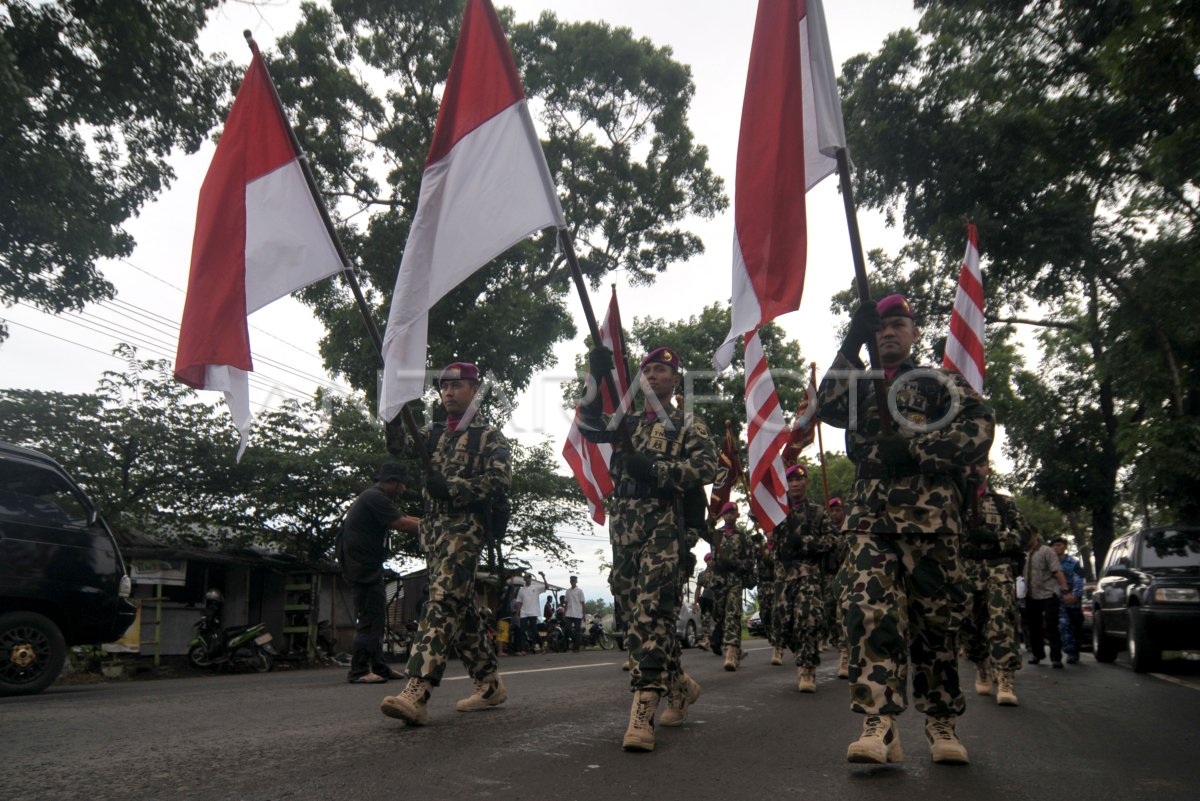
x=1090 y=731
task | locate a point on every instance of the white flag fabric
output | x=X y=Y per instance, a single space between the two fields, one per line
x=964 y=346
x=790 y=133
x=486 y=187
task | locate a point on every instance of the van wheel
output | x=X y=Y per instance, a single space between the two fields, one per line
x=32 y=653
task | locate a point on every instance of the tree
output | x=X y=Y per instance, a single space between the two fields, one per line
x=626 y=166
x=1070 y=137
x=96 y=96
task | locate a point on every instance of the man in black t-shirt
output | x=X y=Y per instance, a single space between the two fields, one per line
x=361 y=550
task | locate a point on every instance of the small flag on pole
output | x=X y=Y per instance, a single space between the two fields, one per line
x=804 y=428
x=486 y=187
x=964 y=346
x=729 y=473
x=259 y=236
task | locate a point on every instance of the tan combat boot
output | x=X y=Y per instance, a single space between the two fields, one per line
x=776 y=655
x=806 y=679
x=843 y=662
x=732 y=657
x=489 y=692
x=1006 y=692
x=640 y=734
x=682 y=695
x=879 y=743
x=944 y=745
x=983 y=679
x=628 y=663
x=409 y=705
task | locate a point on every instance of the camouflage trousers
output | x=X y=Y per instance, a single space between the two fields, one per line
x=646 y=590
x=451 y=620
x=988 y=629
x=727 y=611
x=800 y=609
x=899 y=611
x=840 y=591
x=766 y=608
x=829 y=632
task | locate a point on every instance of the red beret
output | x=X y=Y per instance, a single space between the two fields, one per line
x=665 y=356
x=835 y=502
x=459 y=371
x=894 y=306
x=729 y=507
x=796 y=468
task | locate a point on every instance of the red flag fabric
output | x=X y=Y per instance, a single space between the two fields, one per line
x=964 y=347
x=259 y=236
x=589 y=460
x=790 y=133
x=804 y=429
x=766 y=435
x=486 y=186
x=729 y=473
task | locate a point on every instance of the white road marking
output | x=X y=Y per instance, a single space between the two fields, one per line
x=540 y=670
x=1174 y=680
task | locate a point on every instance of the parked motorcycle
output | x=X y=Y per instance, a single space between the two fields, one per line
x=596 y=635
x=239 y=647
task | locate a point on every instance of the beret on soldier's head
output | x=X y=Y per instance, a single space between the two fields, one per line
x=796 y=469
x=894 y=306
x=459 y=371
x=835 y=502
x=665 y=356
x=729 y=507
x=708 y=557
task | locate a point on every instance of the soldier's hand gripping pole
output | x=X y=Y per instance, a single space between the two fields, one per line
x=886 y=425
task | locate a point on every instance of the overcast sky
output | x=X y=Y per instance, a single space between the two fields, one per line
x=713 y=37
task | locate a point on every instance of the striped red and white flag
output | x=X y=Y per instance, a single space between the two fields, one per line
x=964 y=346
x=486 y=187
x=766 y=434
x=790 y=133
x=589 y=460
x=259 y=236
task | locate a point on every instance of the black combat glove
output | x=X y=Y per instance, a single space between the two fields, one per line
x=640 y=467
x=600 y=362
x=864 y=322
x=893 y=451
x=438 y=487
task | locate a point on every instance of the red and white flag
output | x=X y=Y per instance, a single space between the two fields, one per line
x=791 y=131
x=804 y=428
x=964 y=346
x=259 y=236
x=729 y=473
x=589 y=460
x=766 y=435
x=486 y=187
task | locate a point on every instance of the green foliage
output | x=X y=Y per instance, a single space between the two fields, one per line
x=596 y=607
x=620 y=151
x=96 y=96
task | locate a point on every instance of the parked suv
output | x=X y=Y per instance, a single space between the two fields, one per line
x=1148 y=597
x=62 y=579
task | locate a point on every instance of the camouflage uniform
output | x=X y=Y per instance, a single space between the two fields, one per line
x=766 y=591
x=840 y=586
x=733 y=561
x=647 y=532
x=711 y=584
x=452 y=533
x=988 y=630
x=905 y=577
x=803 y=540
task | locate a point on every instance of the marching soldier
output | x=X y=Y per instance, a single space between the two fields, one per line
x=733 y=561
x=766 y=595
x=904 y=518
x=841 y=583
x=471 y=473
x=672 y=456
x=805 y=540
x=997 y=536
x=706 y=589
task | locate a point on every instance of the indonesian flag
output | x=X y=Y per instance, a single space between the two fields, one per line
x=766 y=434
x=486 y=187
x=259 y=235
x=791 y=131
x=729 y=472
x=804 y=429
x=964 y=346
x=589 y=460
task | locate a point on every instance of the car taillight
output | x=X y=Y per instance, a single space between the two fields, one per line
x=1177 y=595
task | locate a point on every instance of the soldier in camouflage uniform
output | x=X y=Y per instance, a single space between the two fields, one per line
x=707 y=588
x=841 y=583
x=733 y=562
x=767 y=564
x=805 y=539
x=996 y=537
x=672 y=457
x=905 y=519
x=470 y=470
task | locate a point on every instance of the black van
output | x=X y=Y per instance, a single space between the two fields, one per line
x=62 y=579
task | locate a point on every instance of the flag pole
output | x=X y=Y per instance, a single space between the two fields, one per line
x=347 y=266
x=812 y=366
x=864 y=289
x=568 y=248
